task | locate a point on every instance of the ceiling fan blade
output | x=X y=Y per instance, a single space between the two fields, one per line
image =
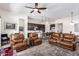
x=38 y=11
x=32 y=11
x=36 y=4
x=42 y=8
x=29 y=7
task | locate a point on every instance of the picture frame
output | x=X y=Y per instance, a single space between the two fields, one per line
x=10 y=26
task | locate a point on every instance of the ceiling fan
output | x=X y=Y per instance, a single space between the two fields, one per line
x=36 y=8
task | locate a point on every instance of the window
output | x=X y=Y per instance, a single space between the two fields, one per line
x=76 y=27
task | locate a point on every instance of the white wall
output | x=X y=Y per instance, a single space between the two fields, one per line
x=47 y=26
x=76 y=20
x=66 y=24
x=0 y=32
x=8 y=17
x=45 y=22
x=36 y=21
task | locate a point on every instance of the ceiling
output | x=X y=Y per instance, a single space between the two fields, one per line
x=53 y=11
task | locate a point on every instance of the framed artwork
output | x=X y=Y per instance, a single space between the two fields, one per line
x=10 y=26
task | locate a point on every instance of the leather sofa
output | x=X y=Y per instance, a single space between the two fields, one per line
x=54 y=37
x=18 y=42
x=34 y=39
x=65 y=40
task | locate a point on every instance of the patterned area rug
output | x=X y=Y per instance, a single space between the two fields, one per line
x=45 y=49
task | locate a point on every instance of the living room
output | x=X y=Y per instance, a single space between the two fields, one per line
x=56 y=20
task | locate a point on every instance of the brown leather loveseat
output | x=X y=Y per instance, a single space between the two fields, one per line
x=65 y=40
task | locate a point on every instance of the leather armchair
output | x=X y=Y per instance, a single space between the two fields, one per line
x=34 y=40
x=18 y=42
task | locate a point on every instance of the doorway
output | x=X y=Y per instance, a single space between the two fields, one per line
x=60 y=27
x=21 y=26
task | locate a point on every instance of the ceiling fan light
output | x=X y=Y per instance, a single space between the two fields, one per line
x=35 y=9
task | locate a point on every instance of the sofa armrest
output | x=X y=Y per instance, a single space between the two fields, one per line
x=26 y=41
x=74 y=42
x=12 y=43
x=50 y=37
x=38 y=40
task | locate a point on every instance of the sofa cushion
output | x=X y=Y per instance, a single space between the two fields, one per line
x=66 y=43
x=15 y=36
x=51 y=40
x=33 y=36
x=69 y=36
x=37 y=40
x=68 y=40
x=58 y=41
x=56 y=34
x=21 y=36
x=19 y=45
x=55 y=38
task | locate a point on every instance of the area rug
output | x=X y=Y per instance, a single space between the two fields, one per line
x=45 y=49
